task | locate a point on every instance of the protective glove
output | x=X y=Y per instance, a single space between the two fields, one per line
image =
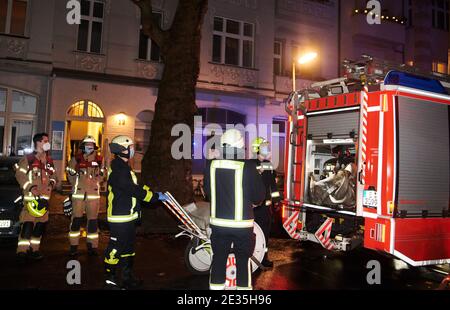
x=162 y=197
x=67 y=207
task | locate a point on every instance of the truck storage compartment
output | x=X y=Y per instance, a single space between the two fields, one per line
x=330 y=169
x=422 y=158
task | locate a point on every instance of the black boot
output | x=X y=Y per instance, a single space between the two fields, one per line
x=35 y=255
x=129 y=281
x=91 y=251
x=111 y=282
x=73 y=250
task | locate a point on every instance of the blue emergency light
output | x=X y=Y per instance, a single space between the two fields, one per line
x=414 y=81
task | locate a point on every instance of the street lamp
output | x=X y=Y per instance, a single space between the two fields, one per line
x=301 y=60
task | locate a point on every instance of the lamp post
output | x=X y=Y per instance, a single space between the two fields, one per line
x=301 y=60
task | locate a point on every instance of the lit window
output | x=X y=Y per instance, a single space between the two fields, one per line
x=148 y=49
x=233 y=42
x=85 y=109
x=440 y=67
x=91 y=27
x=13 y=16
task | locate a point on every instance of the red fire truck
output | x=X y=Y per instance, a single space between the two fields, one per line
x=367 y=164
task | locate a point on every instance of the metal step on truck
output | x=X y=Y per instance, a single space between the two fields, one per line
x=367 y=163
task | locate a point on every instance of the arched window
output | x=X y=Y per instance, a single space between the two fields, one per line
x=85 y=109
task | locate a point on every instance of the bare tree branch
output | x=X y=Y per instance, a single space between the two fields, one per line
x=149 y=26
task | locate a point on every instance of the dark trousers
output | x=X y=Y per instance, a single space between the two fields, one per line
x=263 y=217
x=121 y=243
x=243 y=240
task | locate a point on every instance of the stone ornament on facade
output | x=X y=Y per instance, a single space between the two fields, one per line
x=12 y=47
x=231 y=75
x=147 y=70
x=89 y=62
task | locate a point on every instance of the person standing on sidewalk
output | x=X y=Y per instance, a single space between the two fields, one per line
x=36 y=175
x=85 y=172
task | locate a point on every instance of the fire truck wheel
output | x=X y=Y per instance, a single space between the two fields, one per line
x=198 y=262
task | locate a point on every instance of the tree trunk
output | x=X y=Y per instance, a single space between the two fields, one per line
x=180 y=47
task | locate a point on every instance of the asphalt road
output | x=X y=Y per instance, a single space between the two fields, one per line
x=160 y=263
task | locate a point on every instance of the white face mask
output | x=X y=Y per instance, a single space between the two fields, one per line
x=46 y=147
x=264 y=150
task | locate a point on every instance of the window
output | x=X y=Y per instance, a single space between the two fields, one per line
x=142 y=131
x=18 y=116
x=233 y=42
x=13 y=16
x=149 y=50
x=278 y=141
x=23 y=103
x=278 y=58
x=440 y=14
x=91 y=27
x=85 y=109
x=440 y=67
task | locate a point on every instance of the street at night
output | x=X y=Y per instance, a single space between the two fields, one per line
x=225 y=152
x=160 y=263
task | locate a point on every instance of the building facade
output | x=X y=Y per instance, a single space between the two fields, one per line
x=101 y=77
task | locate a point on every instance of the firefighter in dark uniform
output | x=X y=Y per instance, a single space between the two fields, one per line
x=263 y=213
x=124 y=197
x=233 y=186
x=36 y=175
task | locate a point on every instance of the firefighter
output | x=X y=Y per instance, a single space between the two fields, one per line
x=85 y=172
x=124 y=197
x=263 y=212
x=233 y=187
x=36 y=175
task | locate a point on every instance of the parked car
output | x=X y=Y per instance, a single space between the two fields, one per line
x=9 y=192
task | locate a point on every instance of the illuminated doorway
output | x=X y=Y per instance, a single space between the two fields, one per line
x=83 y=118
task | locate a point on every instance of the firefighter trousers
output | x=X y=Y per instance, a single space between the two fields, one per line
x=121 y=243
x=243 y=241
x=263 y=217
x=91 y=207
x=31 y=231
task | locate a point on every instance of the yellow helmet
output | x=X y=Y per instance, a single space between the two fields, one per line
x=257 y=143
x=232 y=138
x=120 y=144
x=37 y=207
x=88 y=139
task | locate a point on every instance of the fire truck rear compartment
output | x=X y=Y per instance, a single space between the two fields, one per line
x=423 y=157
x=330 y=165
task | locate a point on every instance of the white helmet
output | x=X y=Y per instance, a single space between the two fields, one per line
x=232 y=138
x=88 y=139
x=120 y=144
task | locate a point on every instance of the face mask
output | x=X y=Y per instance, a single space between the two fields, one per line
x=264 y=150
x=88 y=149
x=46 y=147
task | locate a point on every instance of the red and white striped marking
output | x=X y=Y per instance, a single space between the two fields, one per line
x=365 y=113
x=290 y=225
x=323 y=234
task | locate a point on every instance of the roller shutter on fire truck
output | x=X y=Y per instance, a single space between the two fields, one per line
x=423 y=158
x=339 y=125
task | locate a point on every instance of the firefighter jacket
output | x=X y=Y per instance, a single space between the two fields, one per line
x=124 y=193
x=36 y=171
x=233 y=187
x=268 y=175
x=85 y=172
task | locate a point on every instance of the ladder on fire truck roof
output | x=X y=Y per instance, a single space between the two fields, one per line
x=367 y=71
